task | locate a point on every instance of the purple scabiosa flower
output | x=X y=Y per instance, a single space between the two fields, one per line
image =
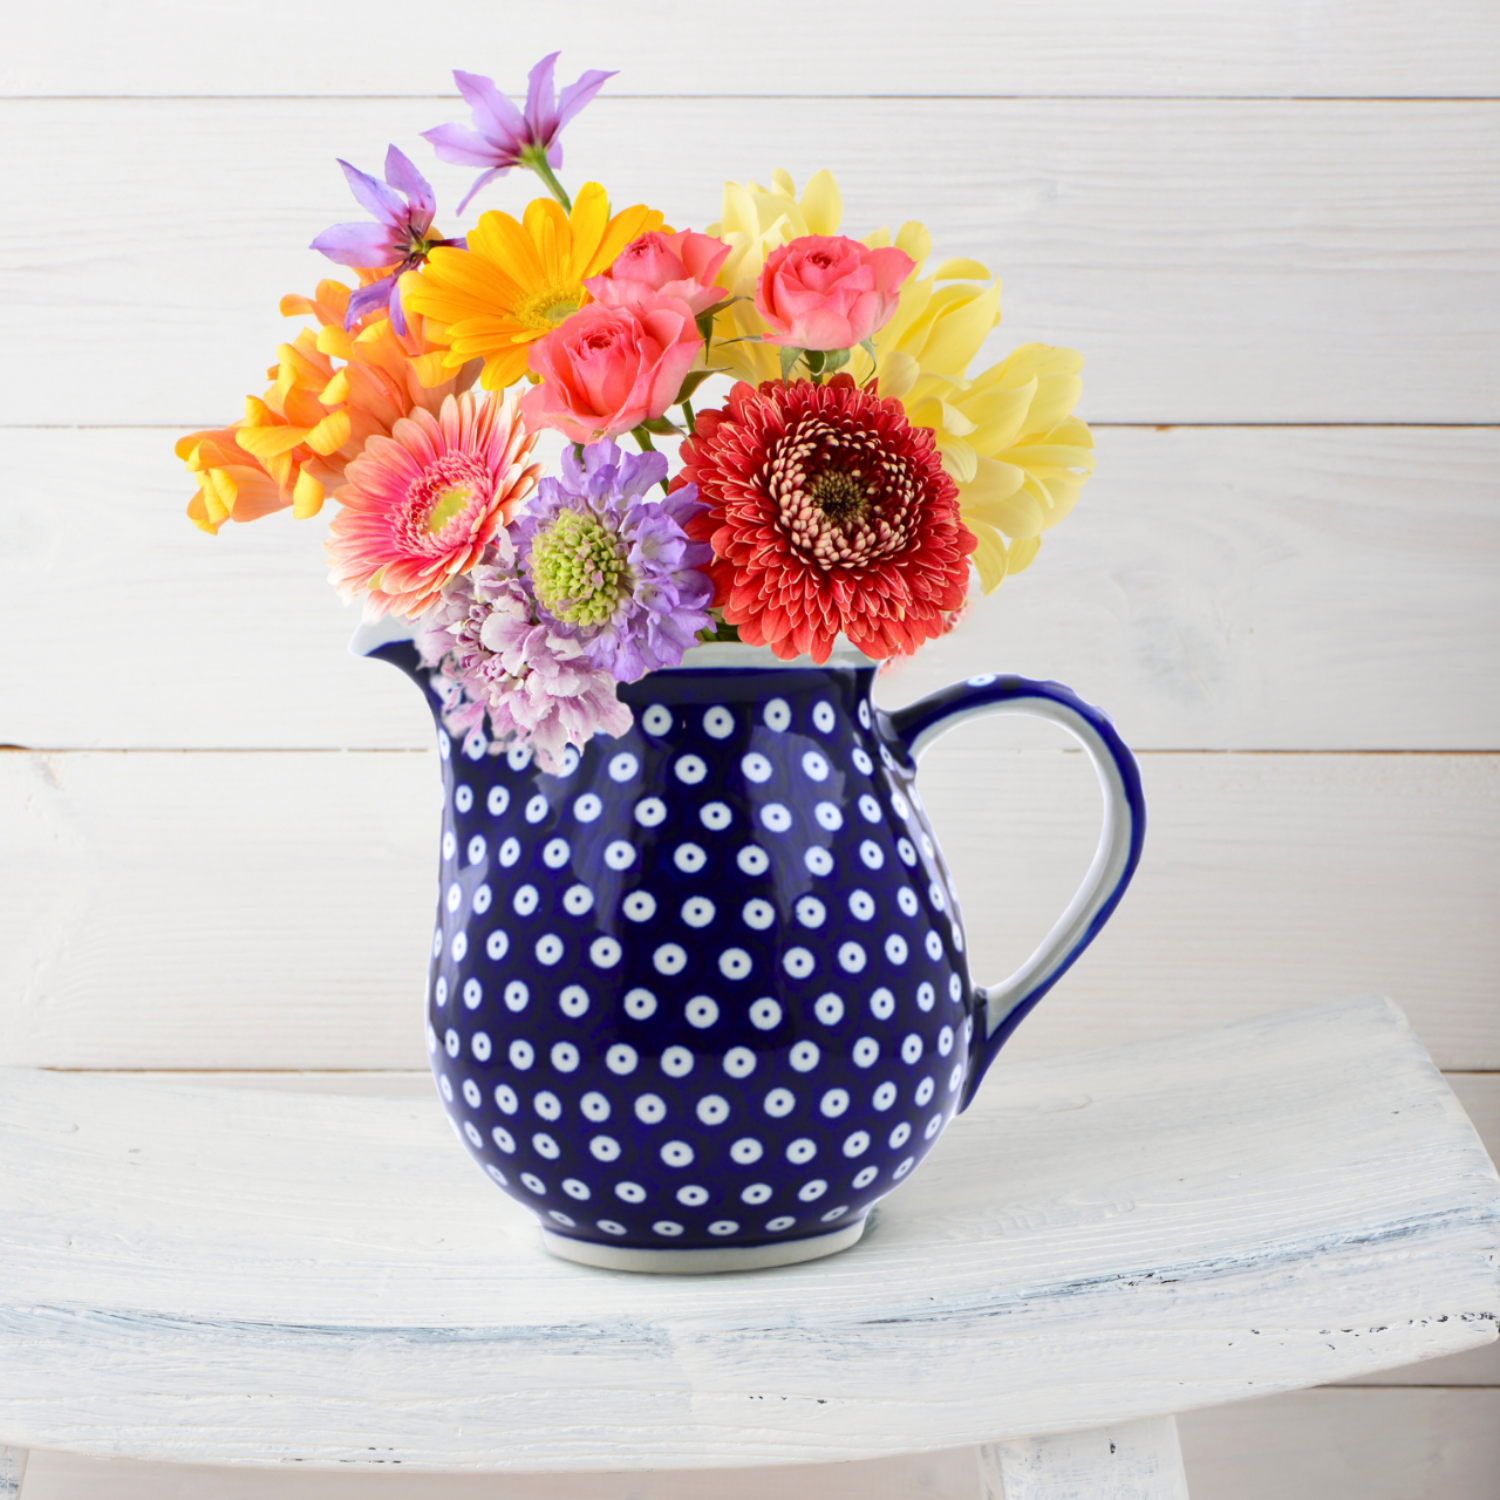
x=503 y=136
x=613 y=563
x=398 y=239
x=495 y=654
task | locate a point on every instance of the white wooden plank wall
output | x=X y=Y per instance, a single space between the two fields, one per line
x=1273 y=229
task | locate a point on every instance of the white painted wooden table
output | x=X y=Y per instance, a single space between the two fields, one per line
x=236 y=1277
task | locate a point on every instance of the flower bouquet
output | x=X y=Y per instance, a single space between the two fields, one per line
x=855 y=479
x=698 y=992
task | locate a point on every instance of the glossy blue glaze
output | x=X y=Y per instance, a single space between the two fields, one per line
x=707 y=987
x=927 y=716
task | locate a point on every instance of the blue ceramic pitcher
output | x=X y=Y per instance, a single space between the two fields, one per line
x=702 y=998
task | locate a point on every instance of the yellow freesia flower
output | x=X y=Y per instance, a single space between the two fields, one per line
x=1007 y=435
x=518 y=280
x=296 y=441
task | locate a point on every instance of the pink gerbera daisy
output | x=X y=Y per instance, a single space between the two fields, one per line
x=420 y=506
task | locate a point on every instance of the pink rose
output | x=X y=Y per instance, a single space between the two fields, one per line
x=676 y=265
x=829 y=292
x=607 y=369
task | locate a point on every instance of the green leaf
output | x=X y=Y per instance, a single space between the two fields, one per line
x=694 y=379
x=661 y=427
x=720 y=631
x=835 y=359
x=868 y=345
x=789 y=359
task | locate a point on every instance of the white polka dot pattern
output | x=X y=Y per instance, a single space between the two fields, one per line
x=725 y=1001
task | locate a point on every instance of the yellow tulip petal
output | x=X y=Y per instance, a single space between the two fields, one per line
x=959 y=459
x=772 y=209
x=736 y=211
x=993 y=483
x=822 y=204
x=911 y=308
x=1022 y=515
x=989 y=557
x=1034 y=361
x=1055 y=399
x=999 y=416
x=1021 y=553
x=958 y=270
x=1074 y=431
x=960 y=330
x=898 y=373
x=940 y=416
x=1051 y=456
x=917 y=242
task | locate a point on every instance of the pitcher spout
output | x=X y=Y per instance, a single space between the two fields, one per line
x=394 y=639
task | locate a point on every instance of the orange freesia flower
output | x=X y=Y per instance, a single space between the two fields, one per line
x=296 y=441
x=519 y=279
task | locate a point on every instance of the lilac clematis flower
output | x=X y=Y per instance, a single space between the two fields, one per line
x=612 y=565
x=503 y=136
x=399 y=237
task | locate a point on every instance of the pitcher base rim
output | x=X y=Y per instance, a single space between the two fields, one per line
x=697 y=1262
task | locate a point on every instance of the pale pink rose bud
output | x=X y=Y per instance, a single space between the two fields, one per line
x=829 y=292
x=679 y=265
x=608 y=369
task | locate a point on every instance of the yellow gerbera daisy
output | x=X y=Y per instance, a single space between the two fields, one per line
x=1007 y=435
x=518 y=280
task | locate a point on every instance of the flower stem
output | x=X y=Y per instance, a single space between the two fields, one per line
x=687 y=416
x=647 y=446
x=537 y=161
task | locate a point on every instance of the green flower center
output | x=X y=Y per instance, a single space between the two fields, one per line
x=448 y=504
x=578 y=570
x=542 y=311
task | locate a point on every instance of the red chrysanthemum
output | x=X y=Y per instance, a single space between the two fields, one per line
x=829 y=513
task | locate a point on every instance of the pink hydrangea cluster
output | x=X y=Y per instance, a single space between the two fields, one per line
x=495 y=654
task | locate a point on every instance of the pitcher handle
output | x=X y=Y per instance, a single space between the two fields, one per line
x=1119 y=852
